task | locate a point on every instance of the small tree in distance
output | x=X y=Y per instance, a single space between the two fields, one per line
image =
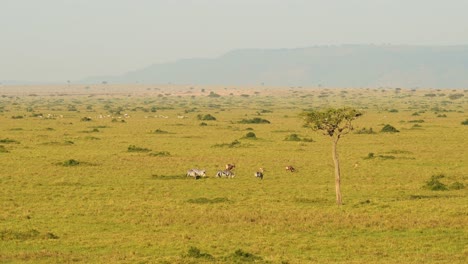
x=333 y=122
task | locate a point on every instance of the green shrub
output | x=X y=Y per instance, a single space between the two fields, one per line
x=159 y=131
x=250 y=135
x=455 y=96
x=194 y=252
x=389 y=129
x=293 y=137
x=214 y=95
x=3 y=149
x=457 y=186
x=434 y=184
x=236 y=143
x=255 y=120
x=206 y=117
x=160 y=154
x=133 y=148
x=86 y=119
x=240 y=256
x=465 y=122
x=9 y=141
x=365 y=131
x=70 y=163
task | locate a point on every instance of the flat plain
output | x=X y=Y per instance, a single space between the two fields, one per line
x=97 y=174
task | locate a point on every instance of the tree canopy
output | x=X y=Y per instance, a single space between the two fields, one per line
x=332 y=121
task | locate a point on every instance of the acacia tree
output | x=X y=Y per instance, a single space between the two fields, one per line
x=333 y=123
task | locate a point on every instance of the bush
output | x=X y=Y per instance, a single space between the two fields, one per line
x=389 y=129
x=255 y=120
x=159 y=131
x=3 y=149
x=133 y=148
x=160 y=154
x=240 y=256
x=293 y=137
x=455 y=96
x=250 y=135
x=86 y=119
x=365 y=131
x=236 y=143
x=8 y=141
x=214 y=95
x=70 y=163
x=206 y=117
x=465 y=122
x=457 y=186
x=434 y=184
x=194 y=252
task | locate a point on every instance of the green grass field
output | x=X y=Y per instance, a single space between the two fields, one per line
x=97 y=175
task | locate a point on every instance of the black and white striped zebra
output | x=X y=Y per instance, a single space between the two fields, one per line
x=225 y=173
x=259 y=174
x=196 y=173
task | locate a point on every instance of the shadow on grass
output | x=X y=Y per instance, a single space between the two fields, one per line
x=203 y=200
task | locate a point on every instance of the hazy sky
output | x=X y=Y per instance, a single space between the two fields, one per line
x=59 y=40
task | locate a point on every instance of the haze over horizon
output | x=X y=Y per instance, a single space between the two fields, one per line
x=60 y=40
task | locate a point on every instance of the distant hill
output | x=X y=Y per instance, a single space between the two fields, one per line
x=330 y=66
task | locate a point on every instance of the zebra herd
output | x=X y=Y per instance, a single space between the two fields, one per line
x=228 y=173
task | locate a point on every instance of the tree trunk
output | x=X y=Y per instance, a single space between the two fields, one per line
x=337 y=170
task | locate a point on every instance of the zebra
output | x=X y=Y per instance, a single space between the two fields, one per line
x=290 y=168
x=226 y=173
x=196 y=173
x=259 y=174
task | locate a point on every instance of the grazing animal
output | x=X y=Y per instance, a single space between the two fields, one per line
x=290 y=168
x=259 y=174
x=196 y=173
x=225 y=173
x=230 y=167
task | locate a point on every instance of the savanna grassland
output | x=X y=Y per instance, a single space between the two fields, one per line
x=97 y=175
